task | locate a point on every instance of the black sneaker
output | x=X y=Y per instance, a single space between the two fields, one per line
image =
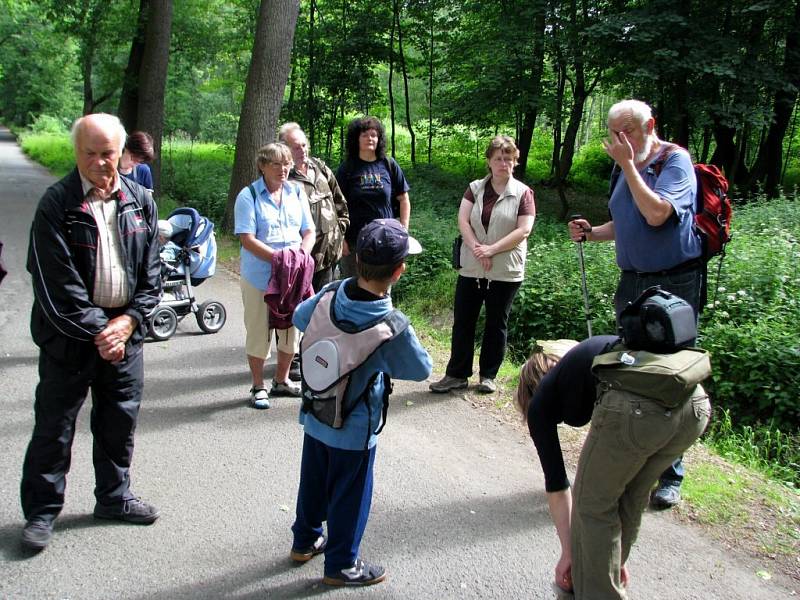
x=666 y=495
x=361 y=573
x=294 y=369
x=134 y=510
x=309 y=552
x=37 y=534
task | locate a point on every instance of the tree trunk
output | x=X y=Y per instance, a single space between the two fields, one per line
x=266 y=81
x=524 y=140
x=129 y=97
x=395 y=9
x=405 y=88
x=558 y=117
x=770 y=159
x=430 y=89
x=86 y=72
x=706 y=144
x=311 y=105
x=725 y=148
x=153 y=79
x=531 y=111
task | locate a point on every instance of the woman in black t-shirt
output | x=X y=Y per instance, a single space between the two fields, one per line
x=372 y=183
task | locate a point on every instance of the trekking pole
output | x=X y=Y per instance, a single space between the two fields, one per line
x=583 y=277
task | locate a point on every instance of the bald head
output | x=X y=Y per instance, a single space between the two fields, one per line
x=98 y=141
x=292 y=135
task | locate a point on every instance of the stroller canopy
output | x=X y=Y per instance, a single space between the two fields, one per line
x=195 y=233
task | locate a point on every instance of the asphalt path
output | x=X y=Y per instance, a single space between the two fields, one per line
x=459 y=508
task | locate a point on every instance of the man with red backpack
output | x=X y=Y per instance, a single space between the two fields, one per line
x=652 y=207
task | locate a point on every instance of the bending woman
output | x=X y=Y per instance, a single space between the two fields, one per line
x=495 y=218
x=555 y=390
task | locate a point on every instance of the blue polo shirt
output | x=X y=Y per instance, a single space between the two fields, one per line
x=277 y=226
x=647 y=249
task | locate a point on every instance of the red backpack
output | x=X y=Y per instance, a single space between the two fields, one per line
x=713 y=210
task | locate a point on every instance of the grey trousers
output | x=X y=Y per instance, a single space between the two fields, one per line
x=630 y=443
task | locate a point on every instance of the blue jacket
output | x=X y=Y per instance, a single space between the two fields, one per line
x=401 y=358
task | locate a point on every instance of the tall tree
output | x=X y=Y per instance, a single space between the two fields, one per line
x=129 y=97
x=153 y=78
x=769 y=164
x=404 y=69
x=94 y=25
x=266 y=81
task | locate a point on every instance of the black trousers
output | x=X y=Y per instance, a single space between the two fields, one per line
x=62 y=389
x=471 y=294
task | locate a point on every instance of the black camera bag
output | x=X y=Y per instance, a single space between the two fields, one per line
x=658 y=321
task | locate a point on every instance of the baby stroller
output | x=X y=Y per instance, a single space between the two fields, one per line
x=188 y=257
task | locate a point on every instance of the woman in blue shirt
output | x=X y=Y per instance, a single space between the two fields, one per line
x=270 y=214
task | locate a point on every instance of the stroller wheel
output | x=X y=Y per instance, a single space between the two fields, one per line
x=162 y=323
x=211 y=316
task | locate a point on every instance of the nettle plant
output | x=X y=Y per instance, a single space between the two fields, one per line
x=752 y=328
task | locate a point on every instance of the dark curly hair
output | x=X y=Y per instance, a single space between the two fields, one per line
x=140 y=145
x=356 y=128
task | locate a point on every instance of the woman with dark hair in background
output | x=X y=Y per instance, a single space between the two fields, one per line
x=373 y=184
x=133 y=163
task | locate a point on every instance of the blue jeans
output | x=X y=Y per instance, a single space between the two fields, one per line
x=335 y=486
x=687 y=285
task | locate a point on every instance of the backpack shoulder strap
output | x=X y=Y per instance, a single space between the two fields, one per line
x=658 y=164
x=615 y=174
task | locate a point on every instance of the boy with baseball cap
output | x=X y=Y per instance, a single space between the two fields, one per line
x=336 y=468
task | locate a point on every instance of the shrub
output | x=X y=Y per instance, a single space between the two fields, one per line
x=197 y=175
x=591 y=169
x=550 y=303
x=53 y=150
x=751 y=330
x=48 y=124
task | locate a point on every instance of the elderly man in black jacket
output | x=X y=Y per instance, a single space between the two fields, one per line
x=93 y=258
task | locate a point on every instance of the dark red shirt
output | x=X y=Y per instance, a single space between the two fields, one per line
x=490 y=197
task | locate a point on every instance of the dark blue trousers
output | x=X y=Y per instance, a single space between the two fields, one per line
x=62 y=390
x=335 y=486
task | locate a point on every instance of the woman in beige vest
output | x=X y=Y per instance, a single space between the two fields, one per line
x=495 y=218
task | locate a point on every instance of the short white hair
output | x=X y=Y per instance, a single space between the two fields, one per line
x=110 y=123
x=640 y=111
x=287 y=128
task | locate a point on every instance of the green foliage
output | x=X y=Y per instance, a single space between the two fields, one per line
x=197 y=175
x=38 y=67
x=48 y=124
x=550 y=303
x=53 y=150
x=591 y=169
x=764 y=448
x=751 y=330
